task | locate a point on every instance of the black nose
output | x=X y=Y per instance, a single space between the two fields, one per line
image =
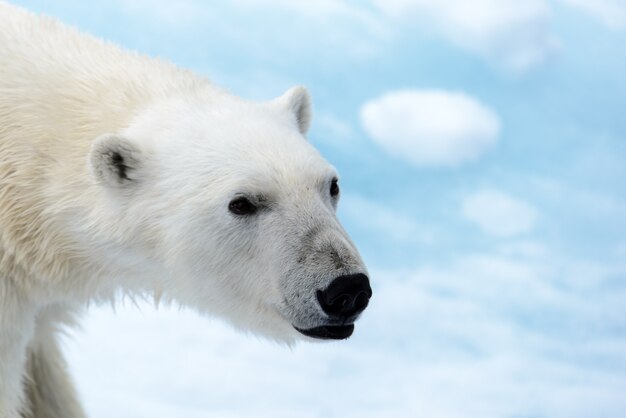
x=346 y=296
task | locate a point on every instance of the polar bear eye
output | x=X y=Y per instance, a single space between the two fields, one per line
x=241 y=206
x=334 y=188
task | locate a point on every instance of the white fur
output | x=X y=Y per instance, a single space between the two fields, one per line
x=72 y=109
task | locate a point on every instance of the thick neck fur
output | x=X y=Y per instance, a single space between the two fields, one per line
x=54 y=247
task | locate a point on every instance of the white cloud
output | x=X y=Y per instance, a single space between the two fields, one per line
x=431 y=127
x=478 y=335
x=514 y=34
x=611 y=13
x=499 y=214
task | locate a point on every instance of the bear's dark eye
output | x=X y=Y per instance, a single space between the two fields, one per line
x=241 y=206
x=334 y=188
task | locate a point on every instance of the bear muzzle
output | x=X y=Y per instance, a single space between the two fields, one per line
x=342 y=301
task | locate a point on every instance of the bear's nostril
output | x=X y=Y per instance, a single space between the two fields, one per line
x=361 y=301
x=346 y=296
x=340 y=304
x=342 y=301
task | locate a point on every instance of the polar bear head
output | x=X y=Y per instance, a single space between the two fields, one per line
x=237 y=211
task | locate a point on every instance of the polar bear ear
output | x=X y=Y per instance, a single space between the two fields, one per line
x=297 y=102
x=114 y=160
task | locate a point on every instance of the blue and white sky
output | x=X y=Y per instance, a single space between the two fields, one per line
x=482 y=152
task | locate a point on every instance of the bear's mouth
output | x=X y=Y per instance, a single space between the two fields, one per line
x=328 y=332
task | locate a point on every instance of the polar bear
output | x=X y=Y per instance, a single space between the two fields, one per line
x=122 y=174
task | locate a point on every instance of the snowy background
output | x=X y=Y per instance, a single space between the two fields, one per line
x=482 y=146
